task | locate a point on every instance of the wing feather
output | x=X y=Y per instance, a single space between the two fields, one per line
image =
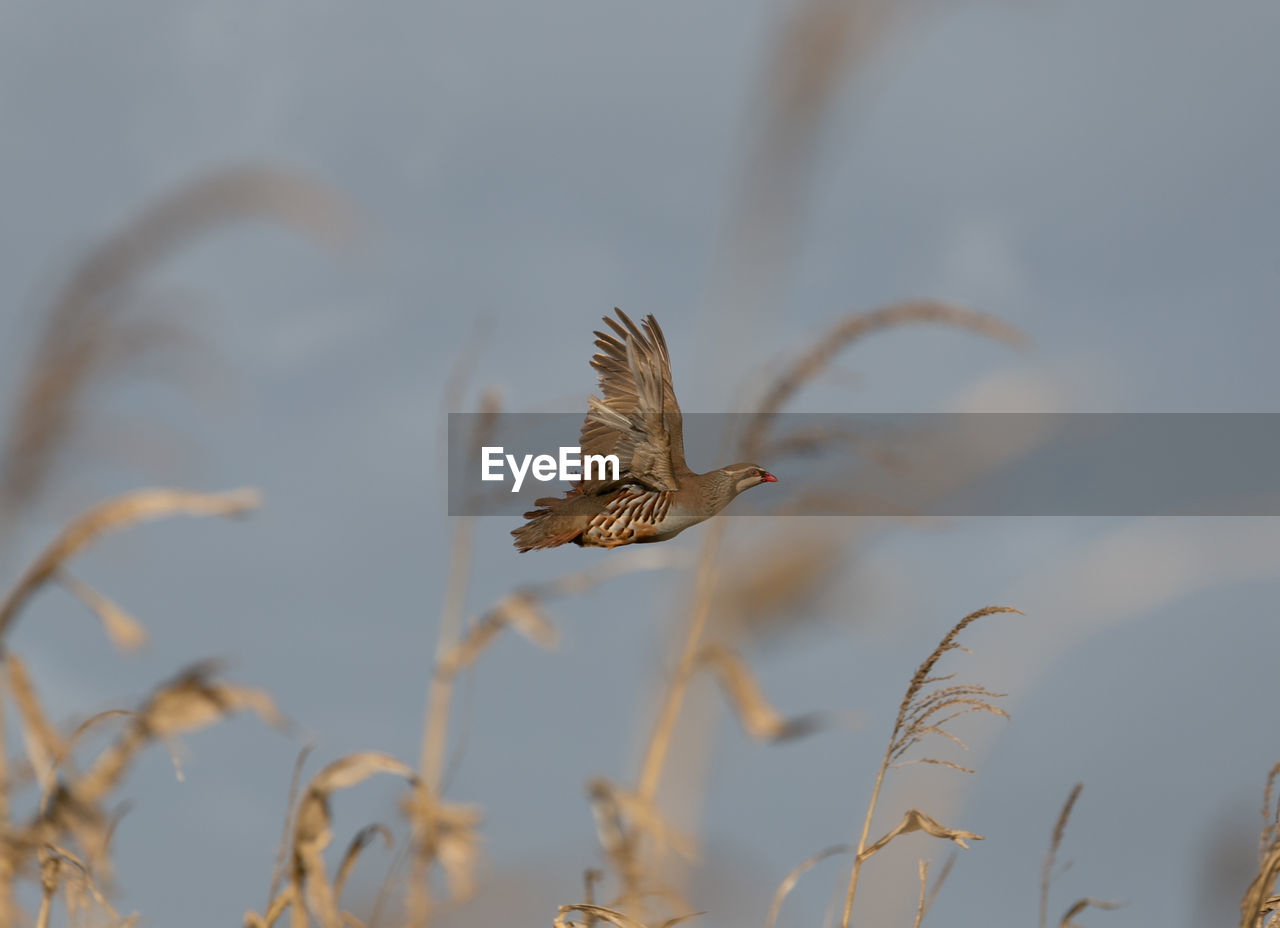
x=638 y=419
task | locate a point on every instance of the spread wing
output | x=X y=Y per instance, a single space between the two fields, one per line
x=638 y=419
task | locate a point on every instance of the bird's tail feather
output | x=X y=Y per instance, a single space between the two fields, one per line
x=547 y=527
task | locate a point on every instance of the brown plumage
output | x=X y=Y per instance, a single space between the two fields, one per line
x=656 y=495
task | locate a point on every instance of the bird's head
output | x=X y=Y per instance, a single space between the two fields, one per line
x=745 y=476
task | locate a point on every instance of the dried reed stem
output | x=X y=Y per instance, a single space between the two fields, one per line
x=789 y=881
x=704 y=584
x=83 y=333
x=916 y=718
x=853 y=328
x=1055 y=842
x=439 y=697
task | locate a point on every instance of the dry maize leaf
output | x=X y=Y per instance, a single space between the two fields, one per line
x=113 y=515
x=759 y=719
x=915 y=820
x=44 y=747
x=195 y=699
x=518 y=611
x=124 y=631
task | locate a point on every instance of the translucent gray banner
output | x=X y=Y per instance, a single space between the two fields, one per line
x=924 y=464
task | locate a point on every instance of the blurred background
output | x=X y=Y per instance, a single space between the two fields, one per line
x=476 y=185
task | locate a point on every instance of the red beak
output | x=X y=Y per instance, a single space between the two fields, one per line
x=766 y=477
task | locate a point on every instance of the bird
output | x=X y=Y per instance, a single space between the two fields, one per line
x=655 y=496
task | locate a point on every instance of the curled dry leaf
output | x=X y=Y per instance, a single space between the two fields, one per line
x=612 y=916
x=519 y=611
x=759 y=719
x=113 y=515
x=915 y=820
x=311 y=834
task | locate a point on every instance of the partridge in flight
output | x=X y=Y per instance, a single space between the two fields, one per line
x=655 y=496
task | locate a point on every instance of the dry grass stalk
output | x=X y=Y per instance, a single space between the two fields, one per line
x=282 y=849
x=428 y=825
x=849 y=330
x=111 y=516
x=622 y=831
x=1047 y=875
x=1055 y=841
x=1260 y=901
x=363 y=838
x=700 y=608
x=789 y=881
x=819 y=43
x=84 y=337
x=926 y=709
x=922 y=871
x=926 y=899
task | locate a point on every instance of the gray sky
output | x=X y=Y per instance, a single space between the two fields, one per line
x=1100 y=174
